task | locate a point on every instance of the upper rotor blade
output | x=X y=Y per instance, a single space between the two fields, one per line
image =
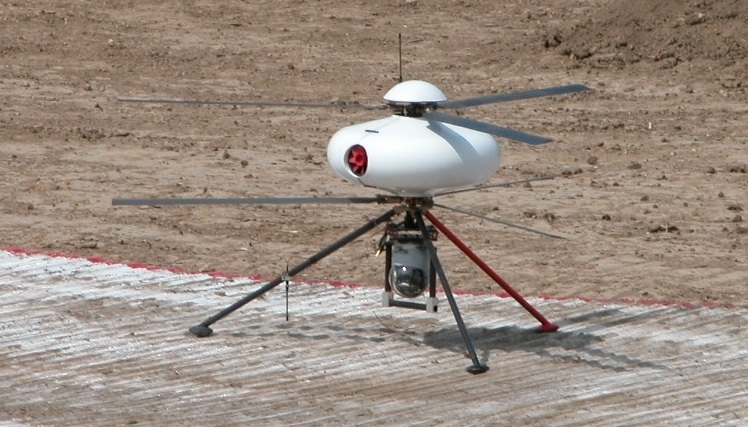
x=500 y=221
x=500 y=184
x=513 y=96
x=253 y=103
x=245 y=201
x=500 y=131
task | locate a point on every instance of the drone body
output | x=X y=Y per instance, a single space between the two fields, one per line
x=412 y=156
x=419 y=152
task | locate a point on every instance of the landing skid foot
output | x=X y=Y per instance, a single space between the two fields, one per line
x=548 y=327
x=201 y=331
x=477 y=369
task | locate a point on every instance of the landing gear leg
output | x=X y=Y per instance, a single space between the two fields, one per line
x=477 y=367
x=204 y=330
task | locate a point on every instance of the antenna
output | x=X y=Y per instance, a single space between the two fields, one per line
x=400 y=54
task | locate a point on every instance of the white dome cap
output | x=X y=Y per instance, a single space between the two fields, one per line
x=414 y=91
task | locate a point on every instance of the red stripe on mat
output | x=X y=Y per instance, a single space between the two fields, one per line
x=341 y=284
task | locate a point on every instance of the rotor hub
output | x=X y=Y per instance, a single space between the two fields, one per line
x=414 y=92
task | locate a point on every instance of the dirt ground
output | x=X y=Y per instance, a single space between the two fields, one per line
x=652 y=164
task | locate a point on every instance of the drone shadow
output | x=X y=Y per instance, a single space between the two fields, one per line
x=578 y=346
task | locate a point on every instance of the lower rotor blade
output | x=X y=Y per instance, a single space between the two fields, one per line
x=514 y=96
x=501 y=184
x=500 y=221
x=245 y=201
x=499 y=131
x=252 y=103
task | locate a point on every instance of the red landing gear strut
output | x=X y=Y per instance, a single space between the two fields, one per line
x=545 y=325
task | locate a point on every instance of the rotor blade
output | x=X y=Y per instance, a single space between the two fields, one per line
x=513 y=96
x=245 y=201
x=499 y=131
x=252 y=103
x=500 y=221
x=501 y=184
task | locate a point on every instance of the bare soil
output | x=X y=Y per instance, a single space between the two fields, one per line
x=651 y=165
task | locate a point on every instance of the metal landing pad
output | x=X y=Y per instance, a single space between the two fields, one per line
x=105 y=344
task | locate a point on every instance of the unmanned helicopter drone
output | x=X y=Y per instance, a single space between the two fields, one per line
x=412 y=156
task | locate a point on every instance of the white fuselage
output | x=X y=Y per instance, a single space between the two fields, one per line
x=414 y=157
